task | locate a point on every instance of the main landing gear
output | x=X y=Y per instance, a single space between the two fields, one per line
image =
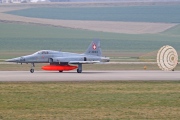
x=79 y=70
x=32 y=68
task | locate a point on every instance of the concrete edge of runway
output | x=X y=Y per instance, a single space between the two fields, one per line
x=53 y=76
x=10 y=63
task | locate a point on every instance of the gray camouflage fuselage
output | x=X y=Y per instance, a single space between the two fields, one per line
x=49 y=56
x=92 y=55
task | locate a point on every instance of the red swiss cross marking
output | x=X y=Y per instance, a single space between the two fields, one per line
x=94 y=46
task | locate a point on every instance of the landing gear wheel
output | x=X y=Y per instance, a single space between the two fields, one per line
x=79 y=71
x=32 y=70
x=60 y=71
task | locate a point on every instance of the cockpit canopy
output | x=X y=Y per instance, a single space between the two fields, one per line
x=43 y=52
x=46 y=52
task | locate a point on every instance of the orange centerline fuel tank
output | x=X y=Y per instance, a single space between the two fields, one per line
x=58 y=67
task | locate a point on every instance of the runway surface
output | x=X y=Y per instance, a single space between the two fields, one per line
x=88 y=75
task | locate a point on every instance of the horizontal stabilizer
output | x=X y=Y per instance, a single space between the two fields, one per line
x=83 y=62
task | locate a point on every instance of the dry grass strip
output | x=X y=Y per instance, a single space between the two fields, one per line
x=102 y=26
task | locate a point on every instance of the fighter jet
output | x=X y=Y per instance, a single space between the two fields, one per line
x=60 y=61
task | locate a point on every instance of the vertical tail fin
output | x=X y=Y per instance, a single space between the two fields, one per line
x=94 y=48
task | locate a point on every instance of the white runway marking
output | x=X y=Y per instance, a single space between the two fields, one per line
x=88 y=75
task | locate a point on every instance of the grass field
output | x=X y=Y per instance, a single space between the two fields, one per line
x=19 y=39
x=23 y=38
x=157 y=13
x=90 y=100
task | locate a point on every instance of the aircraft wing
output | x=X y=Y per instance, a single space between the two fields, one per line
x=83 y=62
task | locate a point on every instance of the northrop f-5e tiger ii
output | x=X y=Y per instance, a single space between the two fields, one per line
x=60 y=61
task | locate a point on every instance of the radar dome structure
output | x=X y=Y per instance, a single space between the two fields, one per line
x=167 y=58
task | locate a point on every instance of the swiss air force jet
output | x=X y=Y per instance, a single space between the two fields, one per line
x=59 y=61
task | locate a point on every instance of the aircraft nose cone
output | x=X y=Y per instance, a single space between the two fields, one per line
x=13 y=60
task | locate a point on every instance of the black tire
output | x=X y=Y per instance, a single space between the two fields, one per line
x=32 y=70
x=60 y=71
x=79 y=71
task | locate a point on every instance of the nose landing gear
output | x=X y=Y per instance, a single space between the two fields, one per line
x=32 y=68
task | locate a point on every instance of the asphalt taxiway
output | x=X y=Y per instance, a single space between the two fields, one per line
x=88 y=75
